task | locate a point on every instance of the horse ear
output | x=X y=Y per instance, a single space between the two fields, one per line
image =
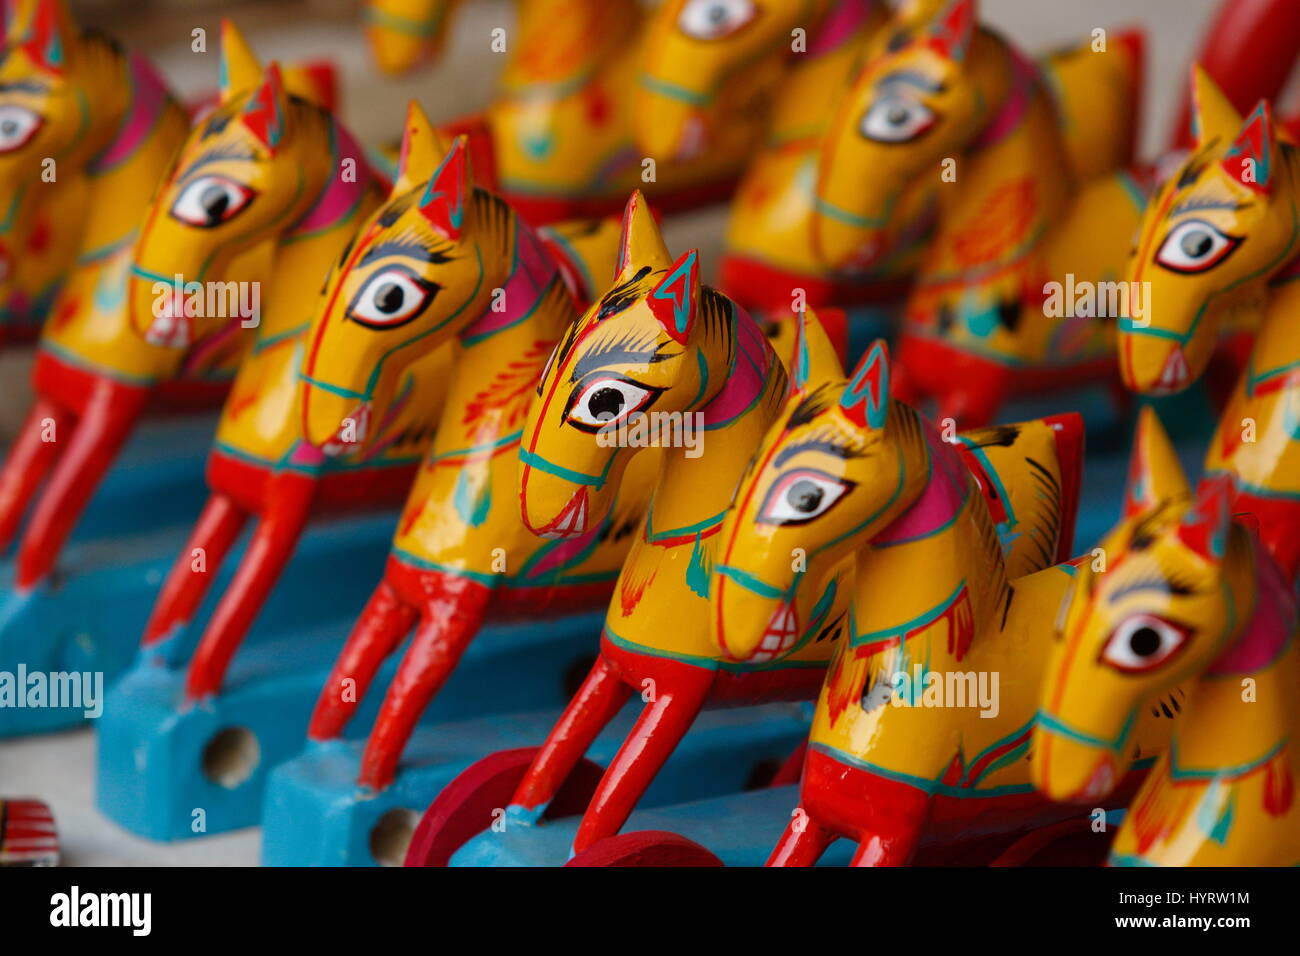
x=266 y=115
x=865 y=400
x=1204 y=530
x=422 y=148
x=239 y=67
x=1154 y=472
x=1249 y=159
x=1213 y=115
x=641 y=243
x=674 y=300
x=447 y=196
x=49 y=34
x=815 y=359
x=953 y=30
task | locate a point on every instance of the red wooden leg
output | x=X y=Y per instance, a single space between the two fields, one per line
x=29 y=460
x=803 y=842
x=268 y=552
x=447 y=624
x=654 y=737
x=214 y=534
x=95 y=442
x=595 y=704
x=383 y=625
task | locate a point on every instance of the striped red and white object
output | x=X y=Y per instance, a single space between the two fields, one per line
x=27 y=834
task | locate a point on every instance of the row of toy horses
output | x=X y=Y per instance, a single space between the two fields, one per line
x=423 y=357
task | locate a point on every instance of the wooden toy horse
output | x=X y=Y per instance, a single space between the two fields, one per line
x=949 y=100
x=1190 y=597
x=913 y=742
x=403 y=34
x=1220 y=232
x=460 y=554
x=91 y=109
x=702 y=54
x=562 y=147
x=268 y=167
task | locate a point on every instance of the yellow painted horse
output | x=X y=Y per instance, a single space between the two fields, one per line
x=1220 y=233
x=465 y=274
x=77 y=105
x=922 y=726
x=561 y=134
x=268 y=169
x=958 y=106
x=1188 y=597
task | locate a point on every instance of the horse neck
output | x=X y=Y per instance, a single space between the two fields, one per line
x=135 y=131
x=1018 y=147
x=562 y=42
x=500 y=355
x=1289 y=176
x=1264 y=652
x=693 y=493
x=947 y=534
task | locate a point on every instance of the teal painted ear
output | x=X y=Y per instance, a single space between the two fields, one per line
x=951 y=34
x=447 y=196
x=1249 y=159
x=814 y=359
x=673 y=301
x=865 y=401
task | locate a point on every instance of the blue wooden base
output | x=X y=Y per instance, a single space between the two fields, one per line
x=90 y=619
x=159 y=764
x=316 y=816
x=740 y=828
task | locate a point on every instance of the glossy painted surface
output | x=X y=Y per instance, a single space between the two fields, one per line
x=1224 y=226
x=404 y=34
x=948 y=96
x=1190 y=613
x=927 y=538
x=481 y=286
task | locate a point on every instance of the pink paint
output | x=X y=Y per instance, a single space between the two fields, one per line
x=339 y=198
x=1270 y=627
x=938 y=502
x=1025 y=80
x=844 y=20
x=149 y=97
x=533 y=272
x=749 y=377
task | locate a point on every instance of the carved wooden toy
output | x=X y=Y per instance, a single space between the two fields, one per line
x=106 y=114
x=561 y=135
x=460 y=554
x=264 y=168
x=976 y=325
x=28 y=836
x=852 y=474
x=404 y=34
x=1217 y=236
x=1188 y=597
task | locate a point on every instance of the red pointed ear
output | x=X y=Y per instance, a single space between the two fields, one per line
x=865 y=401
x=673 y=300
x=48 y=35
x=443 y=203
x=266 y=115
x=952 y=32
x=1204 y=530
x=1249 y=159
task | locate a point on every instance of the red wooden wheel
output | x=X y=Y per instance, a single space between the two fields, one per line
x=464 y=807
x=645 y=848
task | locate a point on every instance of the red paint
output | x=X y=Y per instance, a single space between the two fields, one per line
x=758 y=285
x=656 y=848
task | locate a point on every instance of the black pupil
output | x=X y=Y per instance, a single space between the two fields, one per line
x=389 y=298
x=215 y=201
x=805 y=496
x=898 y=115
x=718 y=13
x=9 y=127
x=1197 y=244
x=605 y=403
x=1144 y=642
